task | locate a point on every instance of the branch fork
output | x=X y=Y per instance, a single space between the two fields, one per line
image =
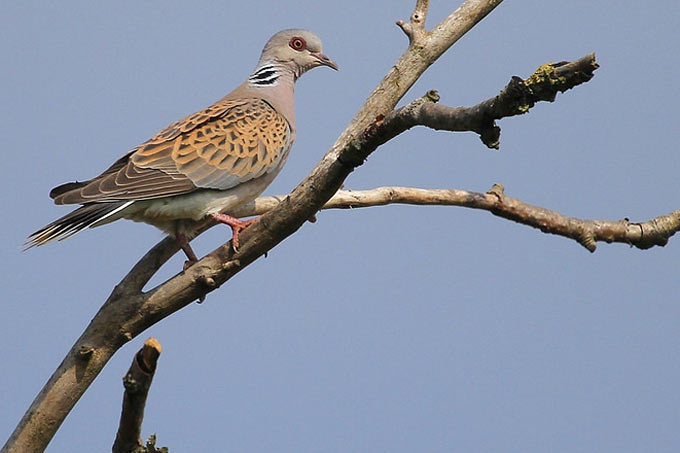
x=415 y=28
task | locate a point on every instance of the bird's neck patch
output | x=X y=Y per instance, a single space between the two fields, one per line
x=267 y=74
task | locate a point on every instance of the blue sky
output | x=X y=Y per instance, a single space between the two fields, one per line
x=385 y=329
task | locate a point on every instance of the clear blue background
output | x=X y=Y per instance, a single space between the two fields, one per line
x=385 y=329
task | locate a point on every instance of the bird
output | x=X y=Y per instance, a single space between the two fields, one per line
x=204 y=165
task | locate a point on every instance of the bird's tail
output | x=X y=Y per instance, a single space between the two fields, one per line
x=74 y=222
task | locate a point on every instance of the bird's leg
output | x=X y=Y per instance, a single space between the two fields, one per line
x=236 y=225
x=183 y=243
x=189 y=252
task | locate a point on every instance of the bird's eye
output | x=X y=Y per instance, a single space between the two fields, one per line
x=297 y=43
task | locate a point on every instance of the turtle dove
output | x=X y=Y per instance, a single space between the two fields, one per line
x=204 y=165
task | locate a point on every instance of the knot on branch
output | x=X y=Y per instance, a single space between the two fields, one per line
x=657 y=231
x=412 y=109
x=587 y=239
x=130 y=383
x=208 y=281
x=150 y=447
x=85 y=352
x=415 y=27
x=432 y=96
x=498 y=190
x=517 y=96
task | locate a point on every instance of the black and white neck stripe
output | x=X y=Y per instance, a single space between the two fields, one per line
x=266 y=75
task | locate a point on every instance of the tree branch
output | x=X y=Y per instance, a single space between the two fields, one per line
x=642 y=235
x=137 y=382
x=517 y=98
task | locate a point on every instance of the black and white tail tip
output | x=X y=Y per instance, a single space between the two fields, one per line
x=74 y=222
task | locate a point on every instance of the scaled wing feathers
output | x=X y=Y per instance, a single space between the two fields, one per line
x=235 y=141
x=228 y=143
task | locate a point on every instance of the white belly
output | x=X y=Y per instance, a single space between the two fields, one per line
x=179 y=213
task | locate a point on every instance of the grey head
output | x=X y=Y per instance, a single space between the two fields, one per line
x=296 y=49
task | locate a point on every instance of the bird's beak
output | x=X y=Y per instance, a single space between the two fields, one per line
x=325 y=61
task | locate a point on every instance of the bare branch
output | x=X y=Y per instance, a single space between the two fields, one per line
x=642 y=235
x=137 y=382
x=517 y=98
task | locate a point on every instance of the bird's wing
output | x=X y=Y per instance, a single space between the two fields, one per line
x=226 y=144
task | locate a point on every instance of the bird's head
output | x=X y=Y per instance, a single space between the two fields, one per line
x=298 y=49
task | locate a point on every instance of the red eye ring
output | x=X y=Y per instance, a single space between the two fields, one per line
x=297 y=43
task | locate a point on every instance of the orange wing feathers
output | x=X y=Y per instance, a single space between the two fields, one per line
x=226 y=144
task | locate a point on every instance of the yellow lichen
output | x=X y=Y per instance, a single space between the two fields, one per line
x=544 y=74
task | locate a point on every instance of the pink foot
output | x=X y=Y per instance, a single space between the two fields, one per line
x=236 y=226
